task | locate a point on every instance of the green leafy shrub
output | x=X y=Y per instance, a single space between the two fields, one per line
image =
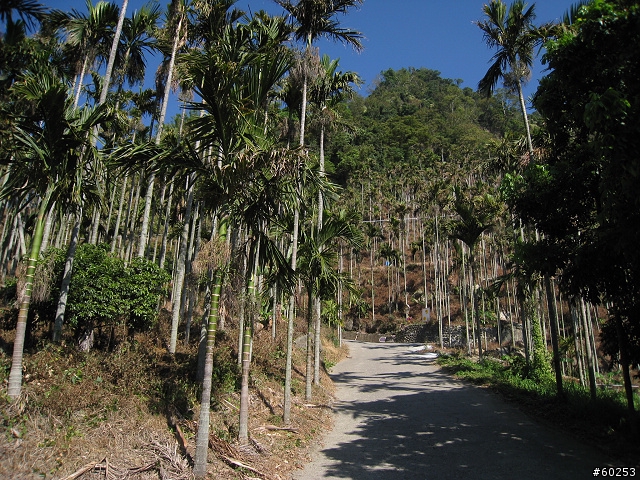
x=97 y=294
x=106 y=292
x=143 y=284
x=541 y=363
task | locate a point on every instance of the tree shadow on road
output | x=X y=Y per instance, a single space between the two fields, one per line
x=431 y=427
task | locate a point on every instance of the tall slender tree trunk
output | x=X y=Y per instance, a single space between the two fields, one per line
x=202 y=437
x=132 y=217
x=575 y=319
x=85 y=64
x=553 y=319
x=165 y=234
x=590 y=356
x=317 y=305
x=243 y=428
x=14 y=387
x=66 y=279
x=317 y=301
x=180 y=268
x=116 y=229
x=144 y=231
x=525 y=118
x=191 y=289
x=21 y=242
x=112 y=53
x=48 y=226
x=310 y=325
x=624 y=363
x=286 y=417
x=476 y=300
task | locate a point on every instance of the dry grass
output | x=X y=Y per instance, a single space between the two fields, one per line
x=110 y=415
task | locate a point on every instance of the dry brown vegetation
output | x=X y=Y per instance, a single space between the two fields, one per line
x=131 y=412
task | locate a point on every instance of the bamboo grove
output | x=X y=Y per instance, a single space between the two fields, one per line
x=277 y=192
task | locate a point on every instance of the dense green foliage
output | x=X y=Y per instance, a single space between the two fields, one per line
x=413 y=121
x=582 y=193
x=106 y=292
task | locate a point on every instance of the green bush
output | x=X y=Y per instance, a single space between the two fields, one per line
x=106 y=292
x=98 y=294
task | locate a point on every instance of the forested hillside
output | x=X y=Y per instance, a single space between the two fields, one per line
x=416 y=149
x=188 y=270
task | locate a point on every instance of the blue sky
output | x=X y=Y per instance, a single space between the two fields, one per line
x=439 y=35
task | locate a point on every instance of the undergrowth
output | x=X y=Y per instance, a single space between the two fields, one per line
x=604 y=421
x=122 y=404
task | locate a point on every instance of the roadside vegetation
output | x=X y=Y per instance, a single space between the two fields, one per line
x=604 y=422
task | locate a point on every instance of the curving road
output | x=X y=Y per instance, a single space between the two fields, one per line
x=399 y=417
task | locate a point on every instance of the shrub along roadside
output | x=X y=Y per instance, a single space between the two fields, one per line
x=605 y=422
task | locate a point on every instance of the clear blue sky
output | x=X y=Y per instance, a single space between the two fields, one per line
x=439 y=35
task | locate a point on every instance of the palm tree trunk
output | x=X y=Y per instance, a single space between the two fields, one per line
x=590 y=356
x=21 y=242
x=465 y=297
x=111 y=206
x=192 y=289
x=180 y=268
x=553 y=319
x=243 y=428
x=85 y=63
x=476 y=306
x=303 y=112
x=112 y=53
x=14 y=387
x=286 y=417
x=144 y=231
x=309 y=371
x=130 y=220
x=243 y=431
x=95 y=225
x=525 y=117
x=576 y=340
x=159 y=221
x=48 y=227
x=66 y=279
x=202 y=437
x=624 y=362
x=373 y=285
x=116 y=229
x=317 y=305
x=165 y=234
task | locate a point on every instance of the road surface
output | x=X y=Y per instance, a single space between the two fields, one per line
x=399 y=417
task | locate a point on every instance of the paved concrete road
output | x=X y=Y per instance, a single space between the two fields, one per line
x=399 y=417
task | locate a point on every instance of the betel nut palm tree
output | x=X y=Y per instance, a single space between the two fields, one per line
x=512 y=33
x=233 y=73
x=478 y=211
x=176 y=30
x=330 y=88
x=101 y=24
x=311 y=20
x=91 y=35
x=315 y=19
x=317 y=267
x=48 y=153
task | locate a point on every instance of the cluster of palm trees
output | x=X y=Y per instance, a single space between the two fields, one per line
x=78 y=157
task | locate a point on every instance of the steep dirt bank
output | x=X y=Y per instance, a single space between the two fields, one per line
x=133 y=412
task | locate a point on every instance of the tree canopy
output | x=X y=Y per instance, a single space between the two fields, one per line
x=583 y=194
